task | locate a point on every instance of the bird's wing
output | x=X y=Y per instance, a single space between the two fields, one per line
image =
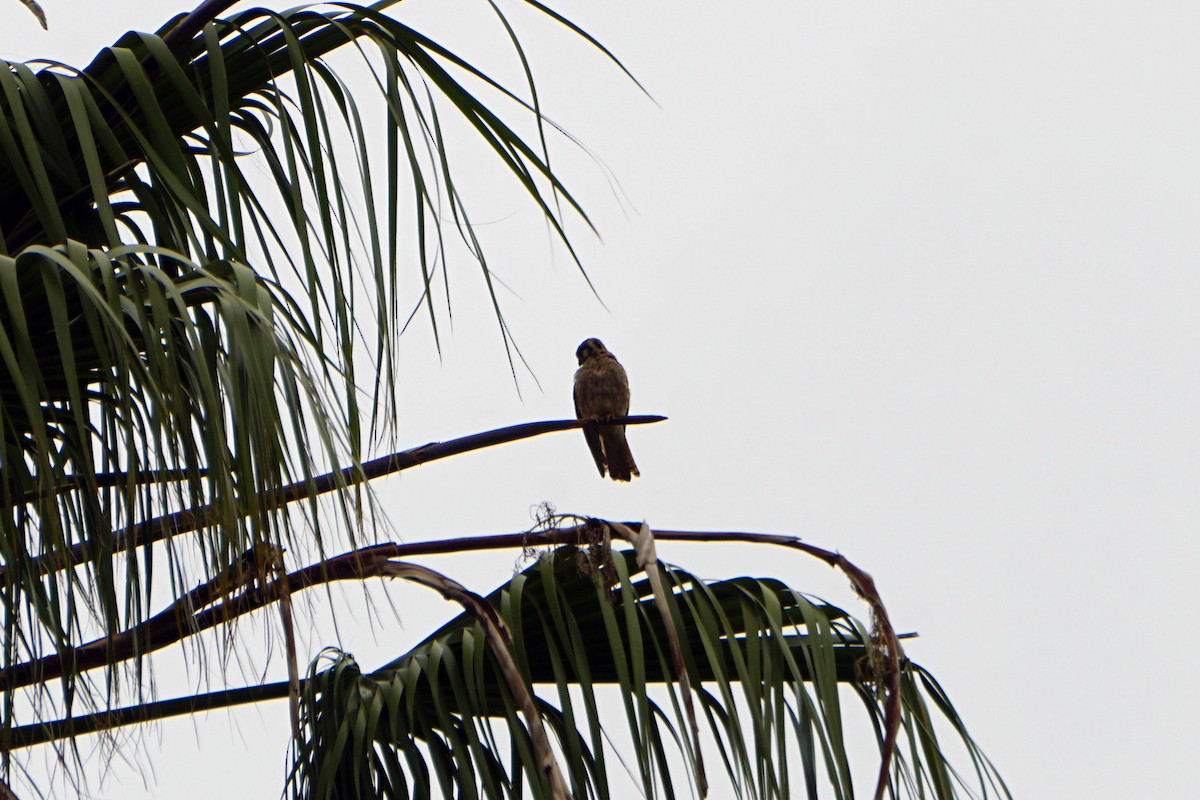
x=590 y=434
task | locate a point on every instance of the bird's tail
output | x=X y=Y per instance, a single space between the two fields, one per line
x=621 y=466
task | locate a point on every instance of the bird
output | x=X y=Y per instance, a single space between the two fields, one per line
x=601 y=393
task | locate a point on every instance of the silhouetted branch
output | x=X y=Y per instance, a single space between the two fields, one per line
x=43 y=732
x=193 y=519
x=203 y=608
x=181 y=619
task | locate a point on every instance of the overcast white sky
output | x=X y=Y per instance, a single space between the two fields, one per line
x=918 y=282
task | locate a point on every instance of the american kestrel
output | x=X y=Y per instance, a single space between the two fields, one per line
x=602 y=392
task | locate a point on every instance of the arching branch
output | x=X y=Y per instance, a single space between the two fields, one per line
x=193 y=519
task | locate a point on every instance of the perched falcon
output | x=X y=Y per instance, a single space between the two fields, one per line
x=602 y=392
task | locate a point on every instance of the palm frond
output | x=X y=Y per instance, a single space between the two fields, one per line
x=771 y=666
x=37 y=11
x=119 y=366
x=201 y=240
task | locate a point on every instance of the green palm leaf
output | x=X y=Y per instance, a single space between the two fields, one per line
x=772 y=666
x=178 y=332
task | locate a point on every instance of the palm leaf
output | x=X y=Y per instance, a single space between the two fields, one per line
x=177 y=332
x=770 y=665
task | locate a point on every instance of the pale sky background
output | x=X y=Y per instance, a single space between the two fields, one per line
x=917 y=282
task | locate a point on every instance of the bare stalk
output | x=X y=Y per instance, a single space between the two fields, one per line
x=192 y=519
x=241 y=590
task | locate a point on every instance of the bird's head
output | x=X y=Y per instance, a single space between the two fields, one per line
x=589 y=348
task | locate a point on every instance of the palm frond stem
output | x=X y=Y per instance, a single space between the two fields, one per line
x=193 y=519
